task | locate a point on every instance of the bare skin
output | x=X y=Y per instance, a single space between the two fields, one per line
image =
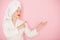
x=41 y=25
x=16 y=16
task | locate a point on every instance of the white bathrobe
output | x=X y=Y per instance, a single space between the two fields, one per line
x=10 y=31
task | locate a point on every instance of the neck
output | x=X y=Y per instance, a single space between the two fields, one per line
x=14 y=20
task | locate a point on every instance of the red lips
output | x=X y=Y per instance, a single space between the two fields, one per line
x=18 y=14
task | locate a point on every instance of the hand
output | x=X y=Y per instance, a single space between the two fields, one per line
x=21 y=26
x=41 y=25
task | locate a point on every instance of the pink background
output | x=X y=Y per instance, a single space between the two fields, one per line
x=34 y=11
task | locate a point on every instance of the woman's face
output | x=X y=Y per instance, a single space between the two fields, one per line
x=17 y=13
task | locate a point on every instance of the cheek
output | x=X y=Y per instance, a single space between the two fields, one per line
x=15 y=15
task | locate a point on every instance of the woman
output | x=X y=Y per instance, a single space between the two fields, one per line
x=13 y=27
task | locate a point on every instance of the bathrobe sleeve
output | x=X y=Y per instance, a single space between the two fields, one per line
x=30 y=33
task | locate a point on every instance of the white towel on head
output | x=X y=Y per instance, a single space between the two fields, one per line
x=12 y=7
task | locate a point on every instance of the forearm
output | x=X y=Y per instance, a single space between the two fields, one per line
x=41 y=25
